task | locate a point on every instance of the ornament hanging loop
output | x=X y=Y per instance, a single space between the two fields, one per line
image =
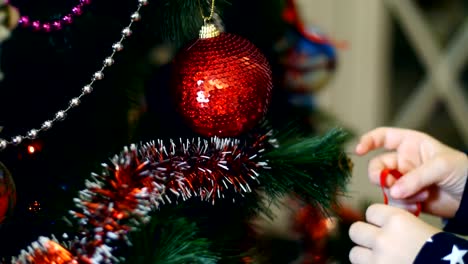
x=210 y=16
x=208 y=30
x=206 y=21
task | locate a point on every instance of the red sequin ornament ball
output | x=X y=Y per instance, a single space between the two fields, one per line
x=222 y=84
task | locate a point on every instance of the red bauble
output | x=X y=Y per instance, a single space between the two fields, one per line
x=7 y=193
x=222 y=85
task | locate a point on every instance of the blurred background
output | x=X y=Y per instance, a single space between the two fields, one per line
x=402 y=63
x=405 y=66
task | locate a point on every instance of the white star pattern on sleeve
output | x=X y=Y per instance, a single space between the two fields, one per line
x=456 y=257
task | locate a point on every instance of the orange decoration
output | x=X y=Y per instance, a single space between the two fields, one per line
x=46 y=251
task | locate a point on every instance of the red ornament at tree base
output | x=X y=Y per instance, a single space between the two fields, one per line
x=222 y=84
x=7 y=193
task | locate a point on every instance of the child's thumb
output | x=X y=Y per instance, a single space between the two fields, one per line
x=414 y=181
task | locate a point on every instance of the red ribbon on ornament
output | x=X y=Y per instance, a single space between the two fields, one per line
x=383 y=180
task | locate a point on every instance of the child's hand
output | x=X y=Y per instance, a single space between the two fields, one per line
x=391 y=235
x=434 y=173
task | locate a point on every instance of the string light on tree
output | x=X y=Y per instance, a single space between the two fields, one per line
x=222 y=83
x=31 y=149
x=34 y=147
x=35 y=207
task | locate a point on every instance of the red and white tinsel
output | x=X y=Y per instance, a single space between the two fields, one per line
x=141 y=179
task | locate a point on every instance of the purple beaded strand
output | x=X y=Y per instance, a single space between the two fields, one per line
x=58 y=24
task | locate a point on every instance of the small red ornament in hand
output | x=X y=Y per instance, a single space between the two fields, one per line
x=222 y=84
x=383 y=183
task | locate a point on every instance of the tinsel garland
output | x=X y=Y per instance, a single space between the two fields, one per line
x=144 y=177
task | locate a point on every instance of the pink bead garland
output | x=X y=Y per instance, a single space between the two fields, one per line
x=58 y=24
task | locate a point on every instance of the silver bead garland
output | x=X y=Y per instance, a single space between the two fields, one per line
x=86 y=90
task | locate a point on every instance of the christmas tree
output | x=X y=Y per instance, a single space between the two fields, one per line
x=175 y=106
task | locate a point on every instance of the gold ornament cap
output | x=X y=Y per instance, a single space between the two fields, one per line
x=209 y=30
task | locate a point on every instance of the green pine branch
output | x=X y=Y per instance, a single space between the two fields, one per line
x=317 y=169
x=171 y=240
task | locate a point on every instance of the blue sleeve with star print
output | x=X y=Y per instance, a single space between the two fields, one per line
x=445 y=248
x=459 y=224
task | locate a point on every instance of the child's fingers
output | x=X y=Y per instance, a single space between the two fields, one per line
x=379 y=163
x=363 y=234
x=360 y=255
x=386 y=137
x=415 y=180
